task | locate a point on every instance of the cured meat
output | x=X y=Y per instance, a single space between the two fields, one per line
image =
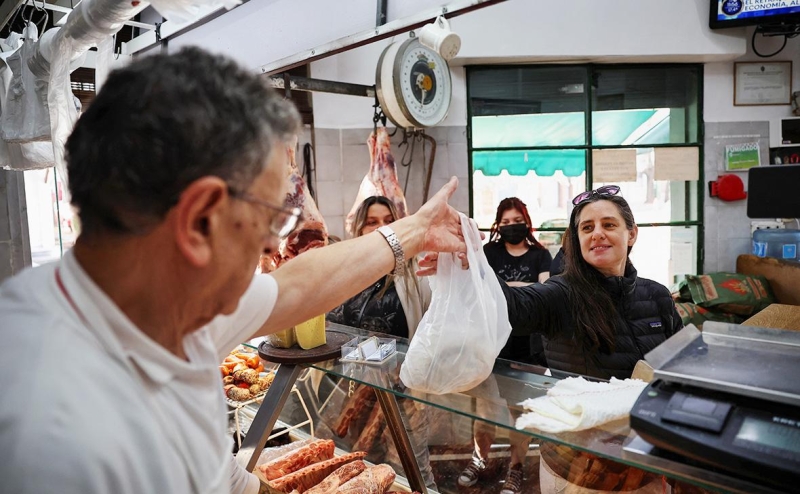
x=353 y=408
x=312 y=475
x=331 y=483
x=381 y=180
x=373 y=480
x=300 y=458
x=372 y=430
x=311 y=232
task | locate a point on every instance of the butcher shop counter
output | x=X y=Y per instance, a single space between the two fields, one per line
x=428 y=439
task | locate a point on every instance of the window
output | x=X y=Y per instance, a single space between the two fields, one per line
x=539 y=133
x=51 y=224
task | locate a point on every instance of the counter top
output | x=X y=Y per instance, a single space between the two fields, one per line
x=511 y=383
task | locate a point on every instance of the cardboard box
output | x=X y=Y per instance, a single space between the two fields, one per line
x=778 y=316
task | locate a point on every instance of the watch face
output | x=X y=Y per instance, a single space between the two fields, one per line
x=413 y=85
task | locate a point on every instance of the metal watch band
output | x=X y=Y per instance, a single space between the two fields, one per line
x=397 y=249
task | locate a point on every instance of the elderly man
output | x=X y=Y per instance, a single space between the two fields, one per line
x=109 y=357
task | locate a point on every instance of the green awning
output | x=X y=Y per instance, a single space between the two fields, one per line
x=572 y=162
x=553 y=129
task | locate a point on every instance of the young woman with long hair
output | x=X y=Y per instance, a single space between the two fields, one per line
x=599 y=317
x=395 y=303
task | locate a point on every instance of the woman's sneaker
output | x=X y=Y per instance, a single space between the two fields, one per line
x=513 y=483
x=469 y=476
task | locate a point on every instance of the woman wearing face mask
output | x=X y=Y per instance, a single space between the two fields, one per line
x=518 y=259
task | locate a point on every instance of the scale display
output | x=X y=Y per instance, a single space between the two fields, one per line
x=759 y=434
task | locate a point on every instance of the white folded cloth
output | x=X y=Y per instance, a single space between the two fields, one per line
x=575 y=404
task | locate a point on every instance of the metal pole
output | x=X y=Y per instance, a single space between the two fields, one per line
x=297 y=83
x=380 y=18
x=391 y=411
x=267 y=414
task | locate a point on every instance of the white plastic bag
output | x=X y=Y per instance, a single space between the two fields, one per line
x=465 y=327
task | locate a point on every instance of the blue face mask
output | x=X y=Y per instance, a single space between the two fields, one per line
x=513 y=234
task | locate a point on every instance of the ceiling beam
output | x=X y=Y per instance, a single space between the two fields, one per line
x=7 y=10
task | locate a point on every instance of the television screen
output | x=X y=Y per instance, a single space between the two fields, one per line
x=733 y=13
x=772 y=191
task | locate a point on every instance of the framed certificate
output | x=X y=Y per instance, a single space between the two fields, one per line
x=762 y=83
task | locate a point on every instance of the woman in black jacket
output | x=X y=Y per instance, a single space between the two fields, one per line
x=598 y=318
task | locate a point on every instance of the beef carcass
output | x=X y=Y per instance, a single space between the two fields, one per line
x=381 y=180
x=353 y=408
x=373 y=480
x=311 y=232
x=372 y=430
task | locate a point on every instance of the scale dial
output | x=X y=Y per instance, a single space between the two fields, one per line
x=413 y=84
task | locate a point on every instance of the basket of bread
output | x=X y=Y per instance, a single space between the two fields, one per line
x=244 y=377
x=311 y=467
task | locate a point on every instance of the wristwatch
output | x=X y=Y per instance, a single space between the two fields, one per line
x=397 y=249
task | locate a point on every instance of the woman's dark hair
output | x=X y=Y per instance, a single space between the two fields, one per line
x=513 y=203
x=593 y=309
x=163 y=122
x=360 y=216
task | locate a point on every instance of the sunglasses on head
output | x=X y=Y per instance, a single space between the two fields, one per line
x=606 y=190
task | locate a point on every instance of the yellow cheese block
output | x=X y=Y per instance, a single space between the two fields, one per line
x=282 y=339
x=311 y=334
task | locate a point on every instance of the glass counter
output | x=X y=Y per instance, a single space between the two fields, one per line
x=447 y=431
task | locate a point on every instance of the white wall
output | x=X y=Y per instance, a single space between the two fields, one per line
x=584 y=30
x=522 y=31
x=727 y=226
x=577 y=31
x=514 y=31
x=718 y=80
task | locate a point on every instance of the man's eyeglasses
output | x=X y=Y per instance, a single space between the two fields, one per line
x=606 y=190
x=285 y=220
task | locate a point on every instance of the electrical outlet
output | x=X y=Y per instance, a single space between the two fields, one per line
x=766 y=225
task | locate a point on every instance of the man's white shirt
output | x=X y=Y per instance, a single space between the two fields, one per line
x=93 y=405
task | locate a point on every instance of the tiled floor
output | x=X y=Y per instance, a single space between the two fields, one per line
x=446 y=471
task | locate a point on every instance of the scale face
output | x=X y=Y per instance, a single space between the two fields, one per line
x=413 y=84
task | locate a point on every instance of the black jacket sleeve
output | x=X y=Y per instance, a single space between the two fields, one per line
x=537 y=308
x=677 y=322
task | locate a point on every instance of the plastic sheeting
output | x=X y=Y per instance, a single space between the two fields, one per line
x=187 y=10
x=38 y=105
x=25 y=115
x=20 y=156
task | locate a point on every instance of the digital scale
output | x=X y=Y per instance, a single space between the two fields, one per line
x=729 y=398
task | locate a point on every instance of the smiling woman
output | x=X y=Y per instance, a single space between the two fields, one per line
x=598 y=318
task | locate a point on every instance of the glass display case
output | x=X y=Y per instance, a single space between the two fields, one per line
x=428 y=439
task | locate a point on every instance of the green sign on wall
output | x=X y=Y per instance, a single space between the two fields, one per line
x=742 y=156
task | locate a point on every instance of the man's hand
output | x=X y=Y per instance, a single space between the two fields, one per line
x=443 y=224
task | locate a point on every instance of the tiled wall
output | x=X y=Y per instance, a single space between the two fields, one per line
x=727 y=227
x=343 y=160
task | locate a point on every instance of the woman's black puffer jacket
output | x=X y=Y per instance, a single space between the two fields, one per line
x=647 y=317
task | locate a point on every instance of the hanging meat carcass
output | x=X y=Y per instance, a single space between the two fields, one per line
x=381 y=180
x=311 y=232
